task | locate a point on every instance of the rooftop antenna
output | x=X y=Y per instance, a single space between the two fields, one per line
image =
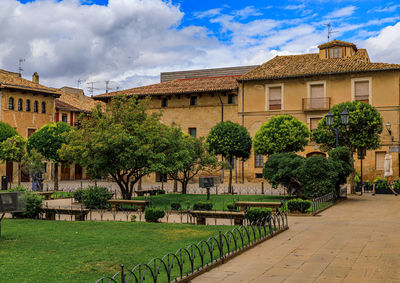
x=20 y=69
x=79 y=83
x=91 y=87
x=330 y=31
x=110 y=88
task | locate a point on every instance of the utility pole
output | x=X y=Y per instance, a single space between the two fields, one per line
x=20 y=69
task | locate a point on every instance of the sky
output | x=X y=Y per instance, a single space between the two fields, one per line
x=129 y=42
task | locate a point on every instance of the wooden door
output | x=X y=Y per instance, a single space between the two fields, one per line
x=30 y=132
x=65 y=172
x=9 y=171
x=24 y=176
x=78 y=172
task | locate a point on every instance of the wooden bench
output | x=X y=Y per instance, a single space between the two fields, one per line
x=244 y=204
x=47 y=195
x=79 y=213
x=141 y=204
x=201 y=216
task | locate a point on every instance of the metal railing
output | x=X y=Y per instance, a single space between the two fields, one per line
x=310 y=104
x=187 y=263
x=322 y=201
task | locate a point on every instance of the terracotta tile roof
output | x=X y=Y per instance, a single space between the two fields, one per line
x=310 y=64
x=337 y=43
x=14 y=81
x=181 y=86
x=76 y=102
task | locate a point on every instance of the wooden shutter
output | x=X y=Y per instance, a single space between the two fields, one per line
x=379 y=160
x=317 y=96
x=361 y=91
x=275 y=98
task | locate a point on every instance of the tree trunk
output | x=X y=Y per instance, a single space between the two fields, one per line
x=352 y=186
x=19 y=173
x=56 y=176
x=230 y=177
x=184 y=187
x=139 y=188
x=175 y=186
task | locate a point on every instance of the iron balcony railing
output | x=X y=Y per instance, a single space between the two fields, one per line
x=312 y=104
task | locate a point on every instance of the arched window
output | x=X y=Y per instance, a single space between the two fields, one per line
x=20 y=104
x=11 y=103
x=43 y=107
x=35 y=106
x=28 y=105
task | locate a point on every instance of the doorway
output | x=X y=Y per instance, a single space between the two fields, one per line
x=9 y=171
x=78 y=172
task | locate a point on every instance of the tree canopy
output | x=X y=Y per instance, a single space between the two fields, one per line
x=362 y=132
x=231 y=140
x=124 y=142
x=13 y=150
x=6 y=131
x=282 y=133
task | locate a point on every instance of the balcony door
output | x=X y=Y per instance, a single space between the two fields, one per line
x=317 y=95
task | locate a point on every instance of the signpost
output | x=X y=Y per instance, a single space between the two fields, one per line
x=11 y=202
x=208 y=182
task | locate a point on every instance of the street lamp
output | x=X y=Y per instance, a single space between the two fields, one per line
x=344 y=119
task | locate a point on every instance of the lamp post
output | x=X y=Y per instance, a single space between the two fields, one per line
x=344 y=119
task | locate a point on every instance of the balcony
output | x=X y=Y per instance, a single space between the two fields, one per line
x=316 y=104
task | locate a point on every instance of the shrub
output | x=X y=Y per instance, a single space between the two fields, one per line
x=33 y=204
x=161 y=192
x=78 y=195
x=96 y=197
x=203 y=205
x=133 y=218
x=175 y=206
x=256 y=214
x=153 y=214
x=232 y=207
x=299 y=205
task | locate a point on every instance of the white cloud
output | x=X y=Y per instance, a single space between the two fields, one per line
x=208 y=14
x=340 y=13
x=295 y=7
x=388 y=9
x=246 y=12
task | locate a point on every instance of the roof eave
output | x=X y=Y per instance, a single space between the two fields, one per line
x=37 y=90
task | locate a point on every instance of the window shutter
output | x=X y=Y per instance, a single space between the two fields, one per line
x=379 y=160
x=275 y=98
x=361 y=91
x=317 y=96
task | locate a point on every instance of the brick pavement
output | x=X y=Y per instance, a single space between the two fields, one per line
x=355 y=241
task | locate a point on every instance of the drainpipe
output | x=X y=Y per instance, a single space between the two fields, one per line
x=398 y=143
x=222 y=108
x=243 y=126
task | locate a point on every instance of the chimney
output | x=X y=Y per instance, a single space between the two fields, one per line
x=35 y=78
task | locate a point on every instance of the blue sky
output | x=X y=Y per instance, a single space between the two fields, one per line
x=131 y=41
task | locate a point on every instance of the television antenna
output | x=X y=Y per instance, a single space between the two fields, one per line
x=79 y=82
x=330 y=31
x=109 y=86
x=91 y=87
x=20 y=62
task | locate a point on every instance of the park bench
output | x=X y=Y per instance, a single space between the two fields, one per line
x=47 y=195
x=245 y=204
x=151 y=192
x=141 y=204
x=79 y=213
x=201 y=216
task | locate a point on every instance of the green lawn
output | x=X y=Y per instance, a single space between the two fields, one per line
x=57 y=251
x=220 y=202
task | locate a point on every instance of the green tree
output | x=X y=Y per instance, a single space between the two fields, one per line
x=13 y=150
x=282 y=133
x=6 y=131
x=344 y=164
x=124 y=142
x=362 y=132
x=48 y=141
x=32 y=163
x=231 y=140
x=186 y=157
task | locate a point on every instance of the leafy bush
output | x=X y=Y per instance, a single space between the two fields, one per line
x=257 y=214
x=175 y=206
x=232 y=207
x=299 y=205
x=161 y=192
x=153 y=214
x=96 y=197
x=78 y=195
x=33 y=204
x=203 y=205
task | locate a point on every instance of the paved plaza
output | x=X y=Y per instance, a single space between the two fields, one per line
x=357 y=240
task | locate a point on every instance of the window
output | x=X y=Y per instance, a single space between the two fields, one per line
x=259 y=175
x=259 y=161
x=193 y=132
x=43 y=107
x=379 y=160
x=164 y=102
x=336 y=52
x=314 y=123
x=11 y=103
x=231 y=99
x=20 y=103
x=193 y=100
x=35 y=106
x=64 y=118
x=317 y=94
x=161 y=177
x=361 y=91
x=30 y=132
x=274 y=97
x=28 y=105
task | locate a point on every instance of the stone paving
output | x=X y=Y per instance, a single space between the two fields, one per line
x=357 y=240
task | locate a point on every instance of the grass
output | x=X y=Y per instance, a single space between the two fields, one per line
x=57 y=251
x=219 y=202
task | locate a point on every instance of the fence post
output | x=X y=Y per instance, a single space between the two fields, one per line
x=262 y=188
x=221 y=248
x=122 y=274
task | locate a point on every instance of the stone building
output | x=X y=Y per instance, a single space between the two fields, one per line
x=304 y=86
